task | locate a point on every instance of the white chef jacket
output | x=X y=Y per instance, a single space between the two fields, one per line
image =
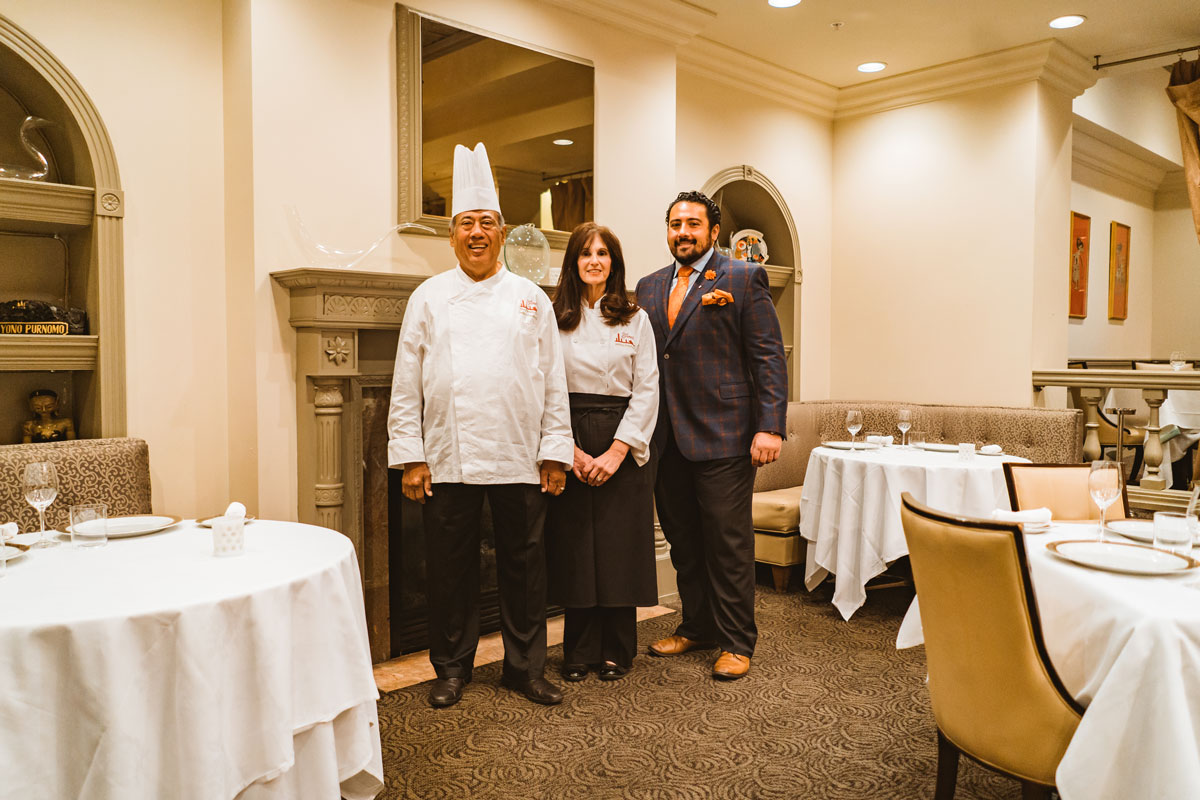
x=617 y=360
x=479 y=392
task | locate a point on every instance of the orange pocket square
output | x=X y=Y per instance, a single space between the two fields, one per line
x=717 y=297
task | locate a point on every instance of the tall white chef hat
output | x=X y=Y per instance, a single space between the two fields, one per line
x=474 y=189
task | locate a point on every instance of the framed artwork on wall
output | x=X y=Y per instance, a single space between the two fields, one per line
x=1118 y=271
x=1081 y=242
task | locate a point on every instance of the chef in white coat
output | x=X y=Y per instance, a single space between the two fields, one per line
x=479 y=407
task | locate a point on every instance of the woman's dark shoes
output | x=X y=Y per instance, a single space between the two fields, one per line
x=612 y=672
x=539 y=690
x=574 y=672
x=446 y=691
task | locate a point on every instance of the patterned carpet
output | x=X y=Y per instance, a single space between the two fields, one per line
x=830 y=709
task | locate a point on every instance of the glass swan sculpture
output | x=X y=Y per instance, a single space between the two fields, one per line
x=320 y=255
x=29 y=173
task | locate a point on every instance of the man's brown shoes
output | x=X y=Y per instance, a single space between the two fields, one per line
x=730 y=666
x=676 y=645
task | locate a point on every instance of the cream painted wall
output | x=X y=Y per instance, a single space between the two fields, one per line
x=1176 y=279
x=1134 y=105
x=795 y=151
x=153 y=71
x=935 y=247
x=1105 y=199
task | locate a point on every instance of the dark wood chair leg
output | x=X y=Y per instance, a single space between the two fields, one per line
x=781 y=576
x=1035 y=791
x=947 y=769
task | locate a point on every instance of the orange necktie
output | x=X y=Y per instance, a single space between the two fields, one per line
x=678 y=292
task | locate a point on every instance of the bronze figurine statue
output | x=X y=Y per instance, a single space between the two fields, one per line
x=45 y=427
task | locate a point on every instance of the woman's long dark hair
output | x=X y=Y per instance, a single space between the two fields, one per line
x=615 y=306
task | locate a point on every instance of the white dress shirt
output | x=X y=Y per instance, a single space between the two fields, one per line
x=618 y=360
x=479 y=392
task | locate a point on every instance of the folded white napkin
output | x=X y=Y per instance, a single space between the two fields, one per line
x=882 y=441
x=991 y=448
x=236 y=509
x=7 y=531
x=1035 y=515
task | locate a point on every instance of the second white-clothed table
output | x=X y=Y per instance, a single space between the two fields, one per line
x=149 y=668
x=850 y=508
x=1127 y=647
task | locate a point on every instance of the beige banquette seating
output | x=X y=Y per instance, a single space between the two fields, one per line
x=1039 y=434
x=112 y=471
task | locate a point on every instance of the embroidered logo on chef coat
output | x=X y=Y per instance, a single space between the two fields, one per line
x=625 y=338
x=529 y=306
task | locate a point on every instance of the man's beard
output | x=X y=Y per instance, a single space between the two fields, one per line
x=696 y=255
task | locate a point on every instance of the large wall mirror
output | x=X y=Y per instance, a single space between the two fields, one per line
x=533 y=110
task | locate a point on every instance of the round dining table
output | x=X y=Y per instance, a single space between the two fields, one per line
x=850 y=507
x=149 y=668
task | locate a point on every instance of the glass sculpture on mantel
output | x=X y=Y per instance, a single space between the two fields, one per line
x=319 y=255
x=527 y=253
x=24 y=172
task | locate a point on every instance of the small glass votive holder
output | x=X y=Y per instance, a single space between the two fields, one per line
x=1173 y=532
x=89 y=524
x=966 y=451
x=916 y=440
x=229 y=536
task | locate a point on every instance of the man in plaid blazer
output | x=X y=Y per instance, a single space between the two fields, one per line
x=722 y=413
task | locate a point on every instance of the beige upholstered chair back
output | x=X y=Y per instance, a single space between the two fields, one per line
x=1062 y=488
x=112 y=471
x=994 y=692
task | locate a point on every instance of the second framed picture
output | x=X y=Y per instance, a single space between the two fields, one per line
x=1118 y=271
x=1081 y=242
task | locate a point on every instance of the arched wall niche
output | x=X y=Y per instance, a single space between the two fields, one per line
x=82 y=204
x=748 y=199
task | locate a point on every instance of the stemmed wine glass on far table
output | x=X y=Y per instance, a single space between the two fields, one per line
x=853 y=424
x=904 y=422
x=40 y=484
x=1104 y=484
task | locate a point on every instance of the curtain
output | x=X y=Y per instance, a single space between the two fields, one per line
x=571 y=203
x=1184 y=91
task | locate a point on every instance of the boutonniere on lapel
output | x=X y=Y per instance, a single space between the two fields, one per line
x=709 y=275
x=717 y=297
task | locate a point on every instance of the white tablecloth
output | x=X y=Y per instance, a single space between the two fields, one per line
x=151 y=669
x=850 y=508
x=1128 y=648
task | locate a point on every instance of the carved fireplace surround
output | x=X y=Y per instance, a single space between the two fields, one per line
x=347 y=325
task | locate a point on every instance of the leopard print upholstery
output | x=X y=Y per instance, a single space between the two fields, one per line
x=112 y=471
x=1043 y=435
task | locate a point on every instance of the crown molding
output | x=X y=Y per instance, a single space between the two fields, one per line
x=739 y=70
x=1048 y=61
x=1172 y=192
x=671 y=21
x=1093 y=153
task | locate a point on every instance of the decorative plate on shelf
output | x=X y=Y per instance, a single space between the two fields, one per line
x=749 y=245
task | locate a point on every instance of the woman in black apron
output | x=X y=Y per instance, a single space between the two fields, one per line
x=600 y=530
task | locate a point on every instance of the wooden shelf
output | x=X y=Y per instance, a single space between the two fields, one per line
x=38 y=207
x=48 y=353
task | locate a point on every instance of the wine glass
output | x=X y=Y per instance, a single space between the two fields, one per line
x=1104 y=484
x=904 y=423
x=41 y=487
x=853 y=424
x=1178 y=360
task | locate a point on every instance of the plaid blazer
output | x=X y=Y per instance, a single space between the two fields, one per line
x=722 y=370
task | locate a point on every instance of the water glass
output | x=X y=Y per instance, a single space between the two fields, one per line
x=1178 y=360
x=1173 y=532
x=40 y=485
x=229 y=536
x=904 y=422
x=1104 y=485
x=89 y=525
x=916 y=439
x=854 y=423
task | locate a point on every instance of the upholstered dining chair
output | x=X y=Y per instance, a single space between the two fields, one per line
x=1062 y=488
x=995 y=694
x=112 y=471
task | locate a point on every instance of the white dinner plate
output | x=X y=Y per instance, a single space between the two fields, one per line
x=12 y=551
x=851 y=445
x=939 y=447
x=980 y=452
x=138 y=525
x=1140 y=530
x=1131 y=559
x=208 y=521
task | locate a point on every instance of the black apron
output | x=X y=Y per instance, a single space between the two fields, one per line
x=600 y=539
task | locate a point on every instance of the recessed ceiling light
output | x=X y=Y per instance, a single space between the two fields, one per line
x=564 y=142
x=872 y=66
x=1069 y=21
x=783 y=3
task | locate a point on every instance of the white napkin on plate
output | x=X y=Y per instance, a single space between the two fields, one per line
x=882 y=441
x=8 y=531
x=1038 y=516
x=236 y=509
x=991 y=449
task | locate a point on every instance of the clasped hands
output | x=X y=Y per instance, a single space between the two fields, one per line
x=596 y=471
x=417 y=483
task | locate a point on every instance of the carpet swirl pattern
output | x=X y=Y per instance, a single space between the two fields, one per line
x=830 y=709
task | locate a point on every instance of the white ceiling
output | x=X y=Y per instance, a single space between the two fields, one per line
x=913 y=34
